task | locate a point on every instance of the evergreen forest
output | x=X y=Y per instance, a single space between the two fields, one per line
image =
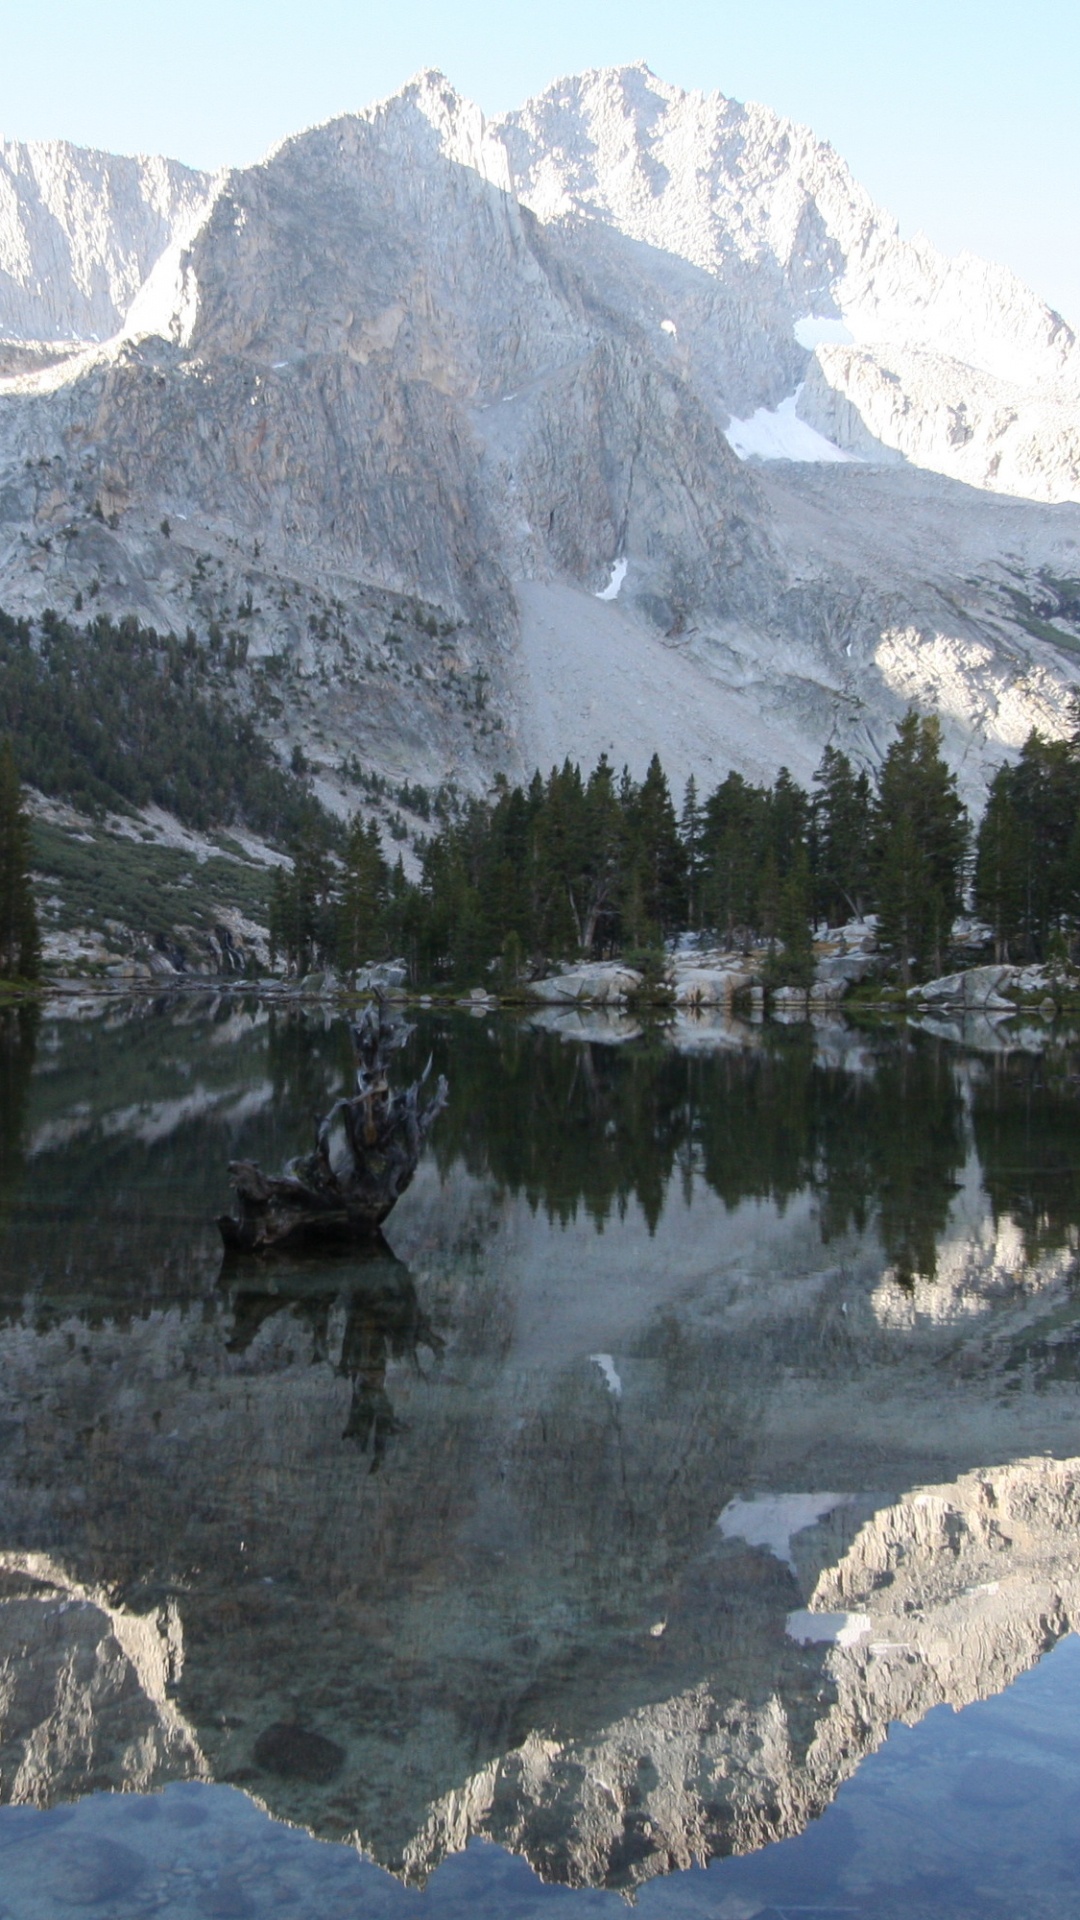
x=574 y=865
x=20 y=945
x=117 y=716
x=600 y=865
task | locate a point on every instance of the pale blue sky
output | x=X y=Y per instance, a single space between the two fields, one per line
x=958 y=115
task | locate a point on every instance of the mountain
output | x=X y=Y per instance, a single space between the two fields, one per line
x=80 y=231
x=625 y=422
x=819 y=293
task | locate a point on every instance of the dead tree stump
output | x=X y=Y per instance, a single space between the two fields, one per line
x=366 y=1151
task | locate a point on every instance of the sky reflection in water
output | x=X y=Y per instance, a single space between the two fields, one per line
x=424 y=1547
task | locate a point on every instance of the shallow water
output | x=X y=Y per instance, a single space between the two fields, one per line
x=704 y=1435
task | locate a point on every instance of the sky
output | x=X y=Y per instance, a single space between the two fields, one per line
x=959 y=116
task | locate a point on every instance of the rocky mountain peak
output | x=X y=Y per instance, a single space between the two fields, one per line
x=628 y=341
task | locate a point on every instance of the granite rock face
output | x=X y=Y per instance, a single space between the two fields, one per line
x=992 y=987
x=79 y=233
x=948 y=355
x=603 y=984
x=444 y=411
x=85 y=1688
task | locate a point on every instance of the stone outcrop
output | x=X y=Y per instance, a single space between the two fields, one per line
x=834 y=973
x=976 y=989
x=698 y=981
x=601 y=983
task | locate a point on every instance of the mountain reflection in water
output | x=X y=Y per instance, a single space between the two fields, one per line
x=567 y=1611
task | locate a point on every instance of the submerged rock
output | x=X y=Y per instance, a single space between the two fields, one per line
x=84 y=1872
x=298 y=1753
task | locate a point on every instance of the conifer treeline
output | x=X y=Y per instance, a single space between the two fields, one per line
x=117 y=715
x=604 y=865
x=20 y=949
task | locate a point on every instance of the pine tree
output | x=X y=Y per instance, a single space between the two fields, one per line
x=733 y=850
x=20 y=945
x=605 y=843
x=1000 y=865
x=841 y=833
x=302 y=924
x=903 y=882
x=787 y=816
x=767 y=897
x=921 y=838
x=18 y=1042
x=793 y=966
x=1040 y=802
x=657 y=853
x=690 y=833
x=559 y=858
x=363 y=897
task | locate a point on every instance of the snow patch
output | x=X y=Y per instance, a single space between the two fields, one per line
x=618 y=575
x=779 y=434
x=773 y=1519
x=607 y=1367
x=838 y=1629
x=818 y=330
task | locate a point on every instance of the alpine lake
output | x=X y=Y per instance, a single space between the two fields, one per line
x=682 y=1504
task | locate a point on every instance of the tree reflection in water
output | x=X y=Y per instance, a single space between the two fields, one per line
x=18 y=1046
x=383 y=1321
x=590 y=1127
x=406 y=1636
x=137 y=1114
x=1025 y=1113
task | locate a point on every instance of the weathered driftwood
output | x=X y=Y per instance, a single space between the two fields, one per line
x=366 y=1151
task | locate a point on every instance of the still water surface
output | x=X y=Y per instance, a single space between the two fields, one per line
x=685 y=1501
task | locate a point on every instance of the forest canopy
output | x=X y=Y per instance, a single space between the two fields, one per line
x=600 y=865
x=118 y=716
x=115 y=716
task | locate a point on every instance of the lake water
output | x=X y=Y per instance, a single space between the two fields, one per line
x=683 y=1503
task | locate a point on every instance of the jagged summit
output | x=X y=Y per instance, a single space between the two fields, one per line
x=628 y=341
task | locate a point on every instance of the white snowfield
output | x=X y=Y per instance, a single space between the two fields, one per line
x=778 y=434
x=829 y=1629
x=611 y=1377
x=618 y=575
x=822 y=330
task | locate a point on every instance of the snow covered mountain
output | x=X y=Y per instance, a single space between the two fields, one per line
x=890 y=346
x=631 y=410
